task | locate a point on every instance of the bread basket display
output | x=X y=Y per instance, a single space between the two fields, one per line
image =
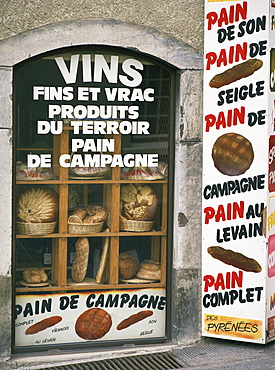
x=87 y=220
x=146 y=173
x=139 y=206
x=37 y=211
x=92 y=173
x=135 y=226
x=32 y=173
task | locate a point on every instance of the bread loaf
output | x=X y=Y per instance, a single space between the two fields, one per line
x=128 y=266
x=79 y=212
x=138 y=202
x=37 y=204
x=150 y=265
x=35 y=276
x=80 y=264
x=236 y=73
x=234 y=259
x=149 y=270
x=88 y=215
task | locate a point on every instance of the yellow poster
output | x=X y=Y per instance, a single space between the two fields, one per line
x=233 y=326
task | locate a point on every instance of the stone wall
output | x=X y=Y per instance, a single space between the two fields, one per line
x=181 y=19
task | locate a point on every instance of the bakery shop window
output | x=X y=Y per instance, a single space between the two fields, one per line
x=93 y=164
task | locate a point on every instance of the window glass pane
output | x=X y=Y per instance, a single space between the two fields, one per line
x=92 y=185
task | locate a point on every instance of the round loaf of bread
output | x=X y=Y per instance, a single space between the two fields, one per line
x=150 y=270
x=150 y=265
x=37 y=204
x=148 y=274
x=35 y=276
x=128 y=266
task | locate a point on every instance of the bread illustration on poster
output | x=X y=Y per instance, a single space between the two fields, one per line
x=133 y=319
x=93 y=324
x=43 y=325
x=234 y=259
x=232 y=154
x=236 y=73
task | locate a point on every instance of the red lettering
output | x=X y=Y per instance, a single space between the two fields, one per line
x=209 y=281
x=241 y=11
x=219 y=283
x=221 y=121
x=231 y=14
x=241 y=52
x=223 y=18
x=210 y=120
x=230 y=211
x=211 y=59
x=209 y=213
x=238 y=210
x=236 y=12
x=236 y=279
x=230 y=280
x=220 y=214
x=238 y=116
x=234 y=117
x=212 y=18
x=234 y=54
x=222 y=59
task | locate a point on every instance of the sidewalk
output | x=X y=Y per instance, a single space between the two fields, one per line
x=206 y=354
x=210 y=353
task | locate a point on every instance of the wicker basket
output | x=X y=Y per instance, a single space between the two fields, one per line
x=137 y=226
x=39 y=228
x=84 y=229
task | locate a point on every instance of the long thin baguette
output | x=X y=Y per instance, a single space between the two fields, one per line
x=103 y=259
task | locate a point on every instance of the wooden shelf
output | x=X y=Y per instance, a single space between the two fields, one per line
x=88 y=181
x=111 y=201
x=101 y=234
x=90 y=287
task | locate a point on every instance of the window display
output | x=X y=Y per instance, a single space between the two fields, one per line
x=93 y=168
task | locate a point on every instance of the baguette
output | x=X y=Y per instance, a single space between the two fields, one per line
x=236 y=73
x=235 y=259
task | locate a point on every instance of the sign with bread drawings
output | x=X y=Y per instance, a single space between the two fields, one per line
x=238 y=169
x=80 y=316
